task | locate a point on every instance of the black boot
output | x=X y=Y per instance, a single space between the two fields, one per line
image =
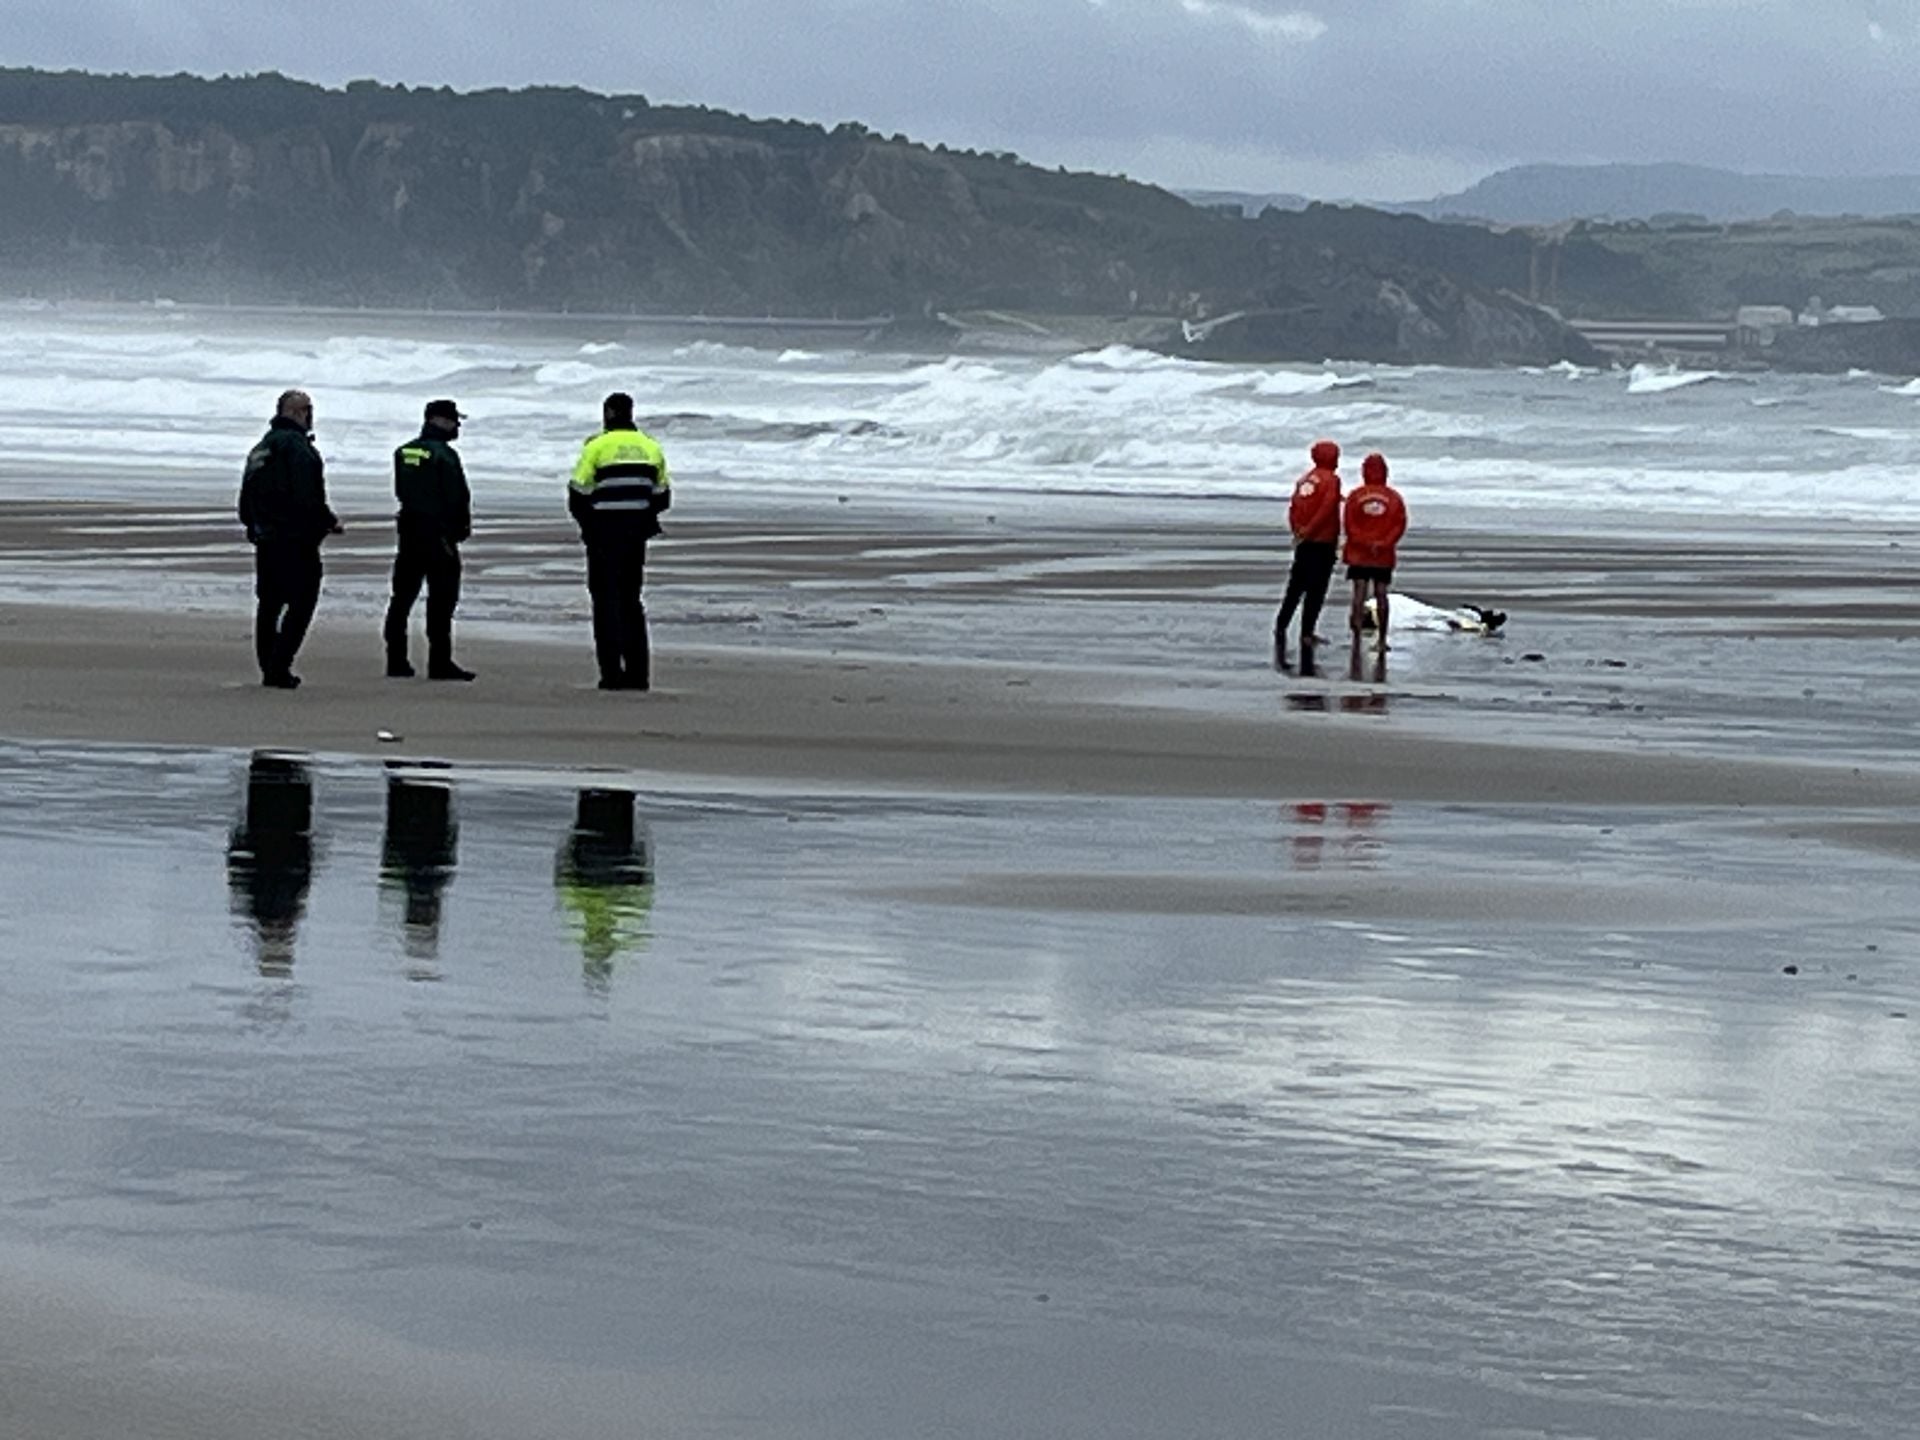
x=447 y=670
x=398 y=666
x=1307 y=667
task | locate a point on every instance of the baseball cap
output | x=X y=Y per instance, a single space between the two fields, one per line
x=443 y=410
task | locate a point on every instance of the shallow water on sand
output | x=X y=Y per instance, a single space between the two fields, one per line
x=896 y=1115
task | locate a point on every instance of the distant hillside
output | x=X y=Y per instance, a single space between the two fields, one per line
x=1709 y=270
x=265 y=188
x=1549 y=194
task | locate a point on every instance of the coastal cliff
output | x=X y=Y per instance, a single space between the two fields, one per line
x=267 y=189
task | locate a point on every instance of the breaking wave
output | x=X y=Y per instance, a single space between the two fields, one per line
x=1659 y=379
x=1118 y=422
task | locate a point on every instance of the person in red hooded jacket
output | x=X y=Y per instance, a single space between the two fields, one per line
x=1314 y=518
x=1376 y=520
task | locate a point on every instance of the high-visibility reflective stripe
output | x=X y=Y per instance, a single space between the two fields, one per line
x=622 y=489
x=622 y=505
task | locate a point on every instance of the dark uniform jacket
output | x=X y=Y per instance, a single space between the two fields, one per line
x=283 y=495
x=431 y=485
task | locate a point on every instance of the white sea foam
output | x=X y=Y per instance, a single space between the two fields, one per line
x=712 y=350
x=1658 y=380
x=1121 y=422
x=565 y=373
x=1865 y=432
x=1293 y=382
x=1128 y=357
x=601 y=347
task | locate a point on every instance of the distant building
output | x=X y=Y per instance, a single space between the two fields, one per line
x=1818 y=314
x=1758 y=324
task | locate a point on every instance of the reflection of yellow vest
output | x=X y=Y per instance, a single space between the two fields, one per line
x=607 y=920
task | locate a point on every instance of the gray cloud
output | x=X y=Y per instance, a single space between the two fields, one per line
x=1352 y=95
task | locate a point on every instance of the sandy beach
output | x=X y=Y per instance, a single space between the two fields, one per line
x=103 y=676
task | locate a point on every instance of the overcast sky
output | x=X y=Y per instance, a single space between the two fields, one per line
x=1376 y=99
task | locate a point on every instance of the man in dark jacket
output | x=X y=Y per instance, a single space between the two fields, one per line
x=283 y=505
x=436 y=516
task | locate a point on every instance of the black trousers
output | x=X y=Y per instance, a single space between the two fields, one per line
x=434 y=561
x=615 y=572
x=286 y=582
x=1307 y=582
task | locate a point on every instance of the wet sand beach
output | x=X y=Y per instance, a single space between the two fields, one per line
x=896 y=645
x=392 y=1111
x=99 y=675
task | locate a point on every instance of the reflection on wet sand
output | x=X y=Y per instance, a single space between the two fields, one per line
x=1359 y=845
x=604 y=878
x=1318 y=702
x=1367 y=663
x=270 y=856
x=417 y=858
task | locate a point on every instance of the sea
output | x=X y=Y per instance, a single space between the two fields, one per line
x=859 y=1113
x=182 y=391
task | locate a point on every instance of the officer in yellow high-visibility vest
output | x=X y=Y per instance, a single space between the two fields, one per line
x=618 y=490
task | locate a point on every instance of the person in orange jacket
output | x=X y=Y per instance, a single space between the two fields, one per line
x=1376 y=520
x=1314 y=518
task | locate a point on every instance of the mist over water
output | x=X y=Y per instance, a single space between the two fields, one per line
x=188 y=390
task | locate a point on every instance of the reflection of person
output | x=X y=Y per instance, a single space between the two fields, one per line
x=1314 y=518
x=605 y=881
x=1359 y=847
x=283 y=505
x=436 y=517
x=618 y=490
x=1376 y=522
x=270 y=856
x=417 y=856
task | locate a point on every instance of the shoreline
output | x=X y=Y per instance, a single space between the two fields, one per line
x=82 y=674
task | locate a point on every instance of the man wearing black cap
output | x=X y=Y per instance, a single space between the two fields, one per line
x=436 y=515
